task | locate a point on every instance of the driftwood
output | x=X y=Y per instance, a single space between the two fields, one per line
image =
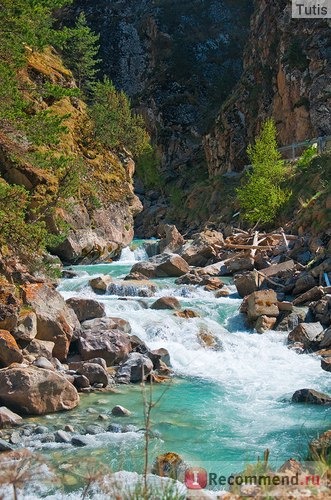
x=248 y=247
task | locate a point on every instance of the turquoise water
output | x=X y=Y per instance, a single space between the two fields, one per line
x=222 y=409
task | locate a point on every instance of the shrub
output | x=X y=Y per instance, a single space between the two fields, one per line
x=261 y=195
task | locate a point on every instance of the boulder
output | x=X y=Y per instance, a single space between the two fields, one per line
x=26 y=328
x=135 y=288
x=9 y=350
x=308 y=334
x=288 y=320
x=105 y=338
x=120 y=411
x=161 y=266
x=86 y=308
x=171 y=239
x=265 y=323
x=135 y=368
x=204 y=247
x=212 y=283
x=248 y=282
x=100 y=285
x=236 y=264
x=135 y=277
x=322 y=310
x=80 y=441
x=56 y=322
x=81 y=382
x=170 y=465
x=224 y=292
x=262 y=303
x=9 y=418
x=5 y=446
x=43 y=363
x=39 y=348
x=95 y=373
x=187 y=314
x=166 y=303
x=62 y=437
x=325 y=342
x=310 y=396
x=33 y=391
x=190 y=278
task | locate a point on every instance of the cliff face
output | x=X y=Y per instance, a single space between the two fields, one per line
x=100 y=217
x=178 y=61
x=286 y=75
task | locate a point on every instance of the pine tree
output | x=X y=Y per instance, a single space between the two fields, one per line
x=80 y=50
x=261 y=195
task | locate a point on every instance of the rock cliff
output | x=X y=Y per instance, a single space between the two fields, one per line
x=286 y=75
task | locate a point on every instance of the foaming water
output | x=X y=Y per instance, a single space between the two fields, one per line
x=228 y=405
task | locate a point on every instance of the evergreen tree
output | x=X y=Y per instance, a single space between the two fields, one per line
x=80 y=50
x=261 y=194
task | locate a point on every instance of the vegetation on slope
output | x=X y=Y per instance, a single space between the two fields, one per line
x=55 y=124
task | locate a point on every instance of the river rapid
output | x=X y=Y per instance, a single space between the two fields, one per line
x=222 y=409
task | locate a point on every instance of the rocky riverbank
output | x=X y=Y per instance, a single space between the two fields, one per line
x=52 y=349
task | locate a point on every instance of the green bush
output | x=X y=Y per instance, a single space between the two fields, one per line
x=115 y=125
x=261 y=195
x=306 y=157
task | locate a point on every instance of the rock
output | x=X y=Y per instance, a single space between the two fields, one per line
x=288 y=266
x=80 y=441
x=94 y=429
x=285 y=306
x=5 y=446
x=34 y=391
x=310 y=396
x=26 y=328
x=326 y=364
x=69 y=428
x=100 y=285
x=56 y=322
x=41 y=429
x=320 y=448
x=135 y=368
x=42 y=362
x=9 y=350
x=224 y=292
x=304 y=283
x=287 y=320
x=204 y=247
x=62 y=437
x=190 y=278
x=262 y=303
x=322 y=310
x=69 y=274
x=143 y=288
x=171 y=239
x=309 y=334
x=9 y=307
x=315 y=293
x=95 y=373
x=187 y=314
x=169 y=465
x=163 y=355
x=166 y=303
x=265 y=323
x=81 y=382
x=161 y=266
x=105 y=338
x=248 y=282
x=86 y=308
x=116 y=428
x=40 y=348
x=211 y=284
x=209 y=341
x=237 y=263
x=325 y=342
x=324 y=267
x=9 y=418
x=120 y=411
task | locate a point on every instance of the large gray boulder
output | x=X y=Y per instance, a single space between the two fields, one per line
x=105 y=338
x=135 y=369
x=309 y=335
x=86 y=309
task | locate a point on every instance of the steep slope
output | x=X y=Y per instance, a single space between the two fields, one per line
x=99 y=213
x=287 y=75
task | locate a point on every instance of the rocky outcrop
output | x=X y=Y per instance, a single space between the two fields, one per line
x=286 y=74
x=86 y=309
x=310 y=396
x=33 y=391
x=161 y=266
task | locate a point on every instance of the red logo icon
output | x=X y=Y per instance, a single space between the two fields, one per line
x=196 y=478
